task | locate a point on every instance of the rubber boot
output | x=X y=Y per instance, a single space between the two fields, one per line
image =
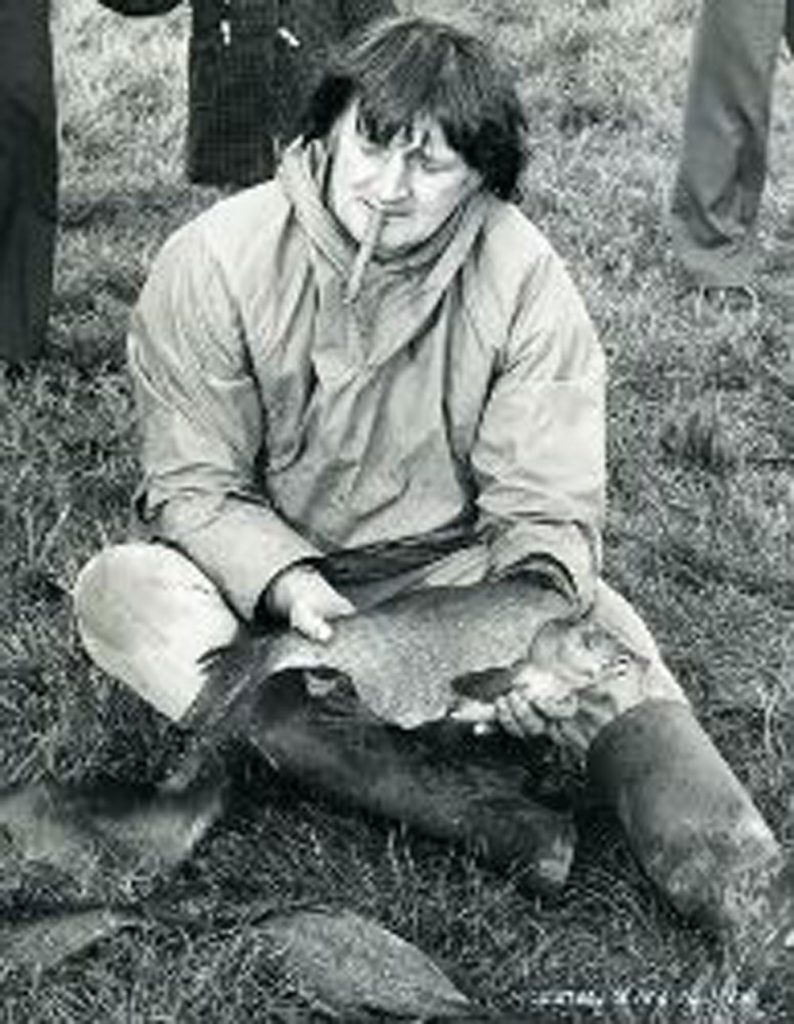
x=317 y=732
x=692 y=825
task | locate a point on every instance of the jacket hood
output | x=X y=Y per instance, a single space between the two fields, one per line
x=428 y=266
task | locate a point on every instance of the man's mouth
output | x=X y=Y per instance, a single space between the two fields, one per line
x=387 y=212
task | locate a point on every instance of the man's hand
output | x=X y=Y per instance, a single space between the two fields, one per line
x=302 y=596
x=579 y=677
x=533 y=706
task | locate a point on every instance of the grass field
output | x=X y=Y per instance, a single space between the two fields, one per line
x=700 y=536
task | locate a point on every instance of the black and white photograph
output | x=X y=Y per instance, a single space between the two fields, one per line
x=396 y=511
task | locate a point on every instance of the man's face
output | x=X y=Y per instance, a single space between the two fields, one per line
x=416 y=180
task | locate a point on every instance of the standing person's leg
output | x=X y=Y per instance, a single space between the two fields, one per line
x=230 y=134
x=722 y=166
x=28 y=178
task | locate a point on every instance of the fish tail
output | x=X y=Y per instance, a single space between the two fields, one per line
x=231 y=672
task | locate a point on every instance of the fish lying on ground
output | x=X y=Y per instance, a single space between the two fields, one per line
x=105 y=842
x=351 y=966
x=44 y=942
x=347 y=967
x=353 y=969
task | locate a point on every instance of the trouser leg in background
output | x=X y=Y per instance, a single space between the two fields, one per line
x=722 y=167
x=28 y=176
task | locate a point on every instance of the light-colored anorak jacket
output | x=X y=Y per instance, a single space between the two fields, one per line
x=280 y=421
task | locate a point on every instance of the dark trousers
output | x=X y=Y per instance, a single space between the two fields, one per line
x=28 y=175
x=723 y=162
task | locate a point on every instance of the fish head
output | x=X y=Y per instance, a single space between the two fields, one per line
x=583 y=652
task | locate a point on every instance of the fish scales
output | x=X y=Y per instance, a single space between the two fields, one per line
x=402 y=657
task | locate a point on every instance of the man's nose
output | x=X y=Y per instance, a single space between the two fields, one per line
x=394 y=184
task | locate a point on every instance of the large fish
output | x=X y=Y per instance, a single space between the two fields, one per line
x=353 y=969
x=406 y=658
x=365 y=719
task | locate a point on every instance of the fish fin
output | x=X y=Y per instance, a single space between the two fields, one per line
x=323 y=693
x=484 y=686
x=230 y=673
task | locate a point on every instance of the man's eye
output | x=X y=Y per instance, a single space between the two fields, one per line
x=430 y=164
x=433 y=163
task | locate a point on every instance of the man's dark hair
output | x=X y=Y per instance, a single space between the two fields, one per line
x=403 y=67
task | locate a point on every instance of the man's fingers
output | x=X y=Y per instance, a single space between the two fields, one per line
x=514 y=712
x=517 y=716
x=566 y=733
x=475 y=712
x=338 y=607
x=507 y=719
x=302 y=596
x=306 y=621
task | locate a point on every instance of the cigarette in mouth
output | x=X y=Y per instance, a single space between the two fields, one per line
x=364 y=254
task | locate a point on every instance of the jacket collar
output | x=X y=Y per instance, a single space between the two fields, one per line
x=399 y=294
x=302 y=174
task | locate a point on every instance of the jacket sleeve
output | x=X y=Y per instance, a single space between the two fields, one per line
x=539 y=454
x=140 y=8
x=201 y=425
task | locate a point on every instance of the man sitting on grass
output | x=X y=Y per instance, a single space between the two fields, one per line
x=378 y=347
